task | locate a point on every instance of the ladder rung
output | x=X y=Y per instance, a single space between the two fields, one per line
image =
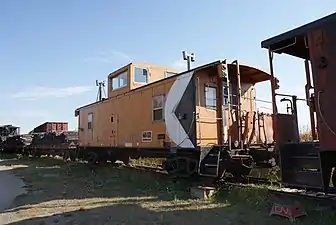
x=211 y=165
x=207 y=175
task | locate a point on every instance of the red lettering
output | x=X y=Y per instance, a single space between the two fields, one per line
x=282 y=210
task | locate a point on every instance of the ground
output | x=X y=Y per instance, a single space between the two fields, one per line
x=73 y=193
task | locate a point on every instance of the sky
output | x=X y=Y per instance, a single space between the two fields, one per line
x=51 y=52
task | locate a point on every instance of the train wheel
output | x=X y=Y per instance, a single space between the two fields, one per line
x=92 y=158
x=126 y=160
x=181 y=166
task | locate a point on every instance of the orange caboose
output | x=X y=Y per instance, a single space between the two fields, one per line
x=154 y=108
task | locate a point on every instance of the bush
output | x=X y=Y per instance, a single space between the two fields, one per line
x=305 y=134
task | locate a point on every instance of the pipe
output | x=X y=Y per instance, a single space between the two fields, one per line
x=309 y=103
x=228 y=84
x=240 y=139
x=291 y=104
x=219 y=103
x=274 y=108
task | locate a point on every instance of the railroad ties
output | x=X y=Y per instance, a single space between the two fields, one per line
x=328 y=197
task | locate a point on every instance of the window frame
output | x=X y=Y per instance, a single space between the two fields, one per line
x=225 y=95
x=118 y=78
x=90 y=121
x=163 y=98
x=211 y=107
x=142 y=68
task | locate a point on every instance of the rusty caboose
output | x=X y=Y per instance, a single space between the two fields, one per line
x=204 y=120
x=309 y=164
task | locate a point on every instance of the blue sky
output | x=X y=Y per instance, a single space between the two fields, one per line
x=51 y=52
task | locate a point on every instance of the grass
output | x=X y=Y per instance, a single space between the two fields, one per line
x=73 y=193
x=305 y=134
x=148 y=161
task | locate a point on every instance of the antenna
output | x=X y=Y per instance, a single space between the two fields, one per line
x=101 y=88
x=189 y=58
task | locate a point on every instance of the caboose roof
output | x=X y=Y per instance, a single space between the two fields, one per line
x=248 y=73
x=293 y=41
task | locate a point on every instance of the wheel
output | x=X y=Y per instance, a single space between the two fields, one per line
x=126 y=160
x=92 y=157
x=181 y=166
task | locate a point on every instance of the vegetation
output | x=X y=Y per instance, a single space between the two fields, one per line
x=305 y=134
x=61 y=192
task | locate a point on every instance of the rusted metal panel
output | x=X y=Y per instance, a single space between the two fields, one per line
x=265 y=123
x=287 y=128
x=51 y=126
x=322 y=51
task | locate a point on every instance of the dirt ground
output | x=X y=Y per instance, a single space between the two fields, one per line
x=73 y=193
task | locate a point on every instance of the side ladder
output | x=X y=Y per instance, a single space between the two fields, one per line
x=210 y=161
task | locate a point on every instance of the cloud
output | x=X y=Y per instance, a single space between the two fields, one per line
x=45 y=92
x=110 y=57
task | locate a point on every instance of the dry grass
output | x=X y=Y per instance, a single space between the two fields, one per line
x=305 y=134
x=148 y=161
x=73 y=193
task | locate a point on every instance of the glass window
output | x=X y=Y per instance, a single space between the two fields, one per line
x=115 y=83
x=158 y=102
x=210 y=97
x=123 y=79
x=169 y=74
x=225 y=95
x=140 y=75
x=90 y=119
x=120 y=81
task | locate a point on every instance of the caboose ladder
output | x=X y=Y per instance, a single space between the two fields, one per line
x=209 y=161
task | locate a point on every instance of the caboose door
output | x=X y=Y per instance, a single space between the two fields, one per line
x=114 y=129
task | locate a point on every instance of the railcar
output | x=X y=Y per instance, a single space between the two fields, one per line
x=309 y=164
x=203 y=121
x=8 y=138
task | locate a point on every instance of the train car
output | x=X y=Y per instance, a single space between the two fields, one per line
x=8 y=138
x=203 y=121
x=51 y=127
x=51 y=143
x=309 y=165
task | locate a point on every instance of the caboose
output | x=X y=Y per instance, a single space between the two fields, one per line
x=309 y=165
x=204 y=120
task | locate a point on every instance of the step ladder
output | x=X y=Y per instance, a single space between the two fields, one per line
x=301 y=165
x=209 y=163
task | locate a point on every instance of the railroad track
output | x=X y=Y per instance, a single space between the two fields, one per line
x=255 y=182
x=146 y=168
x=252 y=182
x=313 y=195
x=329 y=198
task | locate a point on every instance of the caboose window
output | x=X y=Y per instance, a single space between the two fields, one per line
x=210 y=97
x=225 y=94
x=158 y=102
x=90 y=118
x=140 y=75
x=120 y=81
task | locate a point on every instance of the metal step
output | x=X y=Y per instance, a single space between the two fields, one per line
x=210 y=165
x=207 y=175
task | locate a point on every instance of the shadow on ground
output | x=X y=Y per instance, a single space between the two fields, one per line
x=74 y=193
